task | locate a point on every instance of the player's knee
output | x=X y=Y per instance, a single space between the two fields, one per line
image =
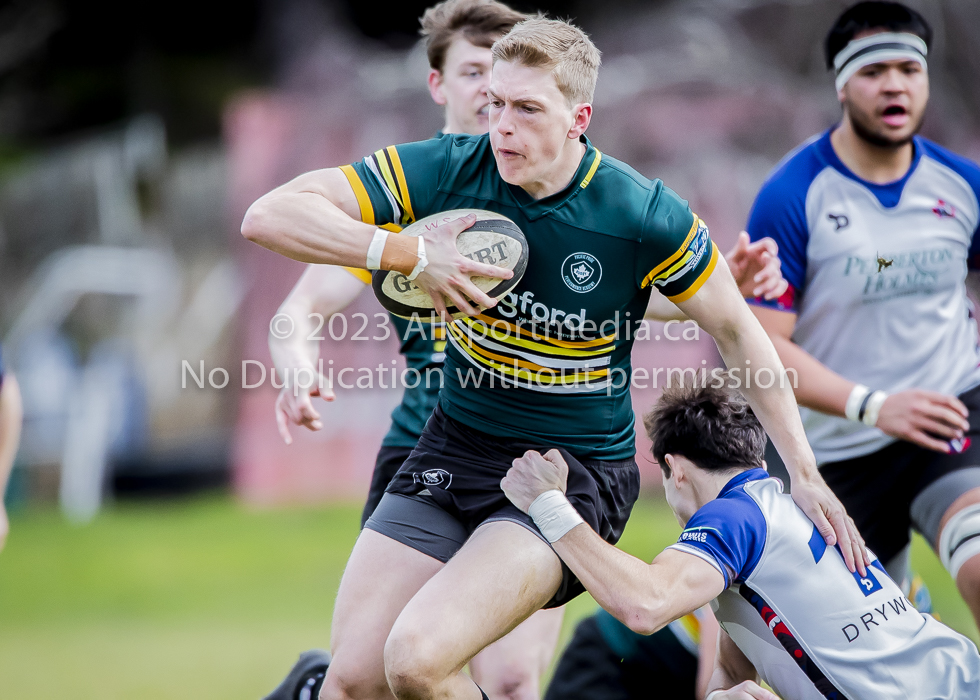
x=411 y=665
x=346 y=683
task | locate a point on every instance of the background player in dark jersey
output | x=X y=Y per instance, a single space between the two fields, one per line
x=446 y=565
x=877 y=229
x=606 y=660
x=11 y=416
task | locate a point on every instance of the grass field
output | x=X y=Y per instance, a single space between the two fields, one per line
x=206 y=599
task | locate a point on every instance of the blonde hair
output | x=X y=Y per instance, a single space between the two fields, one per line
x=558 y=46
x=480 y=22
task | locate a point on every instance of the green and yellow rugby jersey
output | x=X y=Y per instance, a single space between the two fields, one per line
x=550 y=364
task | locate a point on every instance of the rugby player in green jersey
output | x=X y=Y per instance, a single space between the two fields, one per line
x=458 y=35
x=446 y=565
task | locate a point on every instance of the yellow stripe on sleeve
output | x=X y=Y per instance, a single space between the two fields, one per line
x=673 y=258
x=363 y=275
x=402 y=182
x=360 y=192
x=702 y=278
x=389 y=179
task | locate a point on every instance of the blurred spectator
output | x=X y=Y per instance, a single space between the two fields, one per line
x=10 y=422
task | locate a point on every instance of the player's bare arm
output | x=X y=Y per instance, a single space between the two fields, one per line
x=323 y=290
x=315 y=218
x=733 y=676
x=719 y=309
x=755 y=267
x=644 y=597
x=915 y=415
x=11 y=417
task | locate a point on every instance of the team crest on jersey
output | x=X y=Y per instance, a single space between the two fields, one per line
x=433 y=477
x=944 y=209
x=581 y=272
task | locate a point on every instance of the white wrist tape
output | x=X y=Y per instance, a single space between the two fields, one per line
x=854 y=402
x=554 y=515
x=376 y=249
x=423 y=260
x=873 y=408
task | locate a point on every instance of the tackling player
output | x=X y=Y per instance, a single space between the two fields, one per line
x=11 y=417
x=606 y=660
x=789 y=608
x=446 y=565
x=877 y=229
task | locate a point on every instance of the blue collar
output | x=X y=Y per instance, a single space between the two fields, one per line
x=743 y=478
x=888 y=194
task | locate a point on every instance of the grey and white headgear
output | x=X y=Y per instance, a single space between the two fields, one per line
x=886 y=46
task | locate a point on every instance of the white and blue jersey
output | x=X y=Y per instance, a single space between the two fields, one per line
x=811 y=628
x=902 y=324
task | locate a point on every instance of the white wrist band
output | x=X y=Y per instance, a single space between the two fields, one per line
x=423 y=260
x=554 y=515
x=873 y=408
x=376 y=248
x=853 y=407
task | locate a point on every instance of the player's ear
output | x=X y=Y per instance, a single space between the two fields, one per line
x=435 y=87
x=672 y=464
x=581 y=117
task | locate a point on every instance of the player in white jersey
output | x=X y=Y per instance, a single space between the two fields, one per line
x=790 y=610
x=877 y=231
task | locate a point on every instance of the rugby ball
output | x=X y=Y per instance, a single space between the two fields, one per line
x=493 y=239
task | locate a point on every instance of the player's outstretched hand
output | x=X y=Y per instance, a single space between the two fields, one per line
x=532 y=475
x=295 y=405
x=746 y=690
x=756 y=267
x=447 y=275
x=820 y=504
x=927 y=418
